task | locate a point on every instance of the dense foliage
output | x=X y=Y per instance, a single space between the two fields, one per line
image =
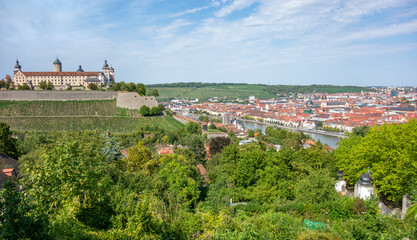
x=389 y=151
x=8 y=144
x=132 y=87
x=77 y=185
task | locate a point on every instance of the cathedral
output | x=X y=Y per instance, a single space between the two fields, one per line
x=62 y=79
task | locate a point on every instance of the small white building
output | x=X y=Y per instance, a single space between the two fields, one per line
x=364 y=186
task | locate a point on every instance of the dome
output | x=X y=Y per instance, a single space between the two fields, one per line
x=105 y=64
x=80 y=69
x=57 y=61
x=17 y=64
x=365 y=179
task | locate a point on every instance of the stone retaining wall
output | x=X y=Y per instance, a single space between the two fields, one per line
x=56 y=95
x=132 y=100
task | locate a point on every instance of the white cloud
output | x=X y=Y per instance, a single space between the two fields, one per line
x=384 y=32
x=234 y=6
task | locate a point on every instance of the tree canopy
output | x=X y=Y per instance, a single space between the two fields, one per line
x=389 y=151
x=8 y=144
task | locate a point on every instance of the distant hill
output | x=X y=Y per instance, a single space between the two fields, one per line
x=231 y=90
x=102 y=115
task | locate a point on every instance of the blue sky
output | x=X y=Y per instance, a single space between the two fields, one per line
x=354 y=42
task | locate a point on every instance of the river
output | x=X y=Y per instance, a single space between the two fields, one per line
x=332 y=141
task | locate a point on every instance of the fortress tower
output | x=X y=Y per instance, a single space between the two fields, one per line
x=57 y=65
x=108 y=73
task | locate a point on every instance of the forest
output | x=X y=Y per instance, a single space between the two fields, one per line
x=84 y=185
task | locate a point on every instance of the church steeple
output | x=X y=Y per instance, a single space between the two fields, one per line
x=105 y=65
x=257 y=101
x=17 y=67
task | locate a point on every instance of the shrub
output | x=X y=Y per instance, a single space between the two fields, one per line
x=316 y=188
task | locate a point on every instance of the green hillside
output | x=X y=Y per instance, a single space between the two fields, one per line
x=208 y=90
x=230 y=91
x=100 y=115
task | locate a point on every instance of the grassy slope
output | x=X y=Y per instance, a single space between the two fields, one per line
x=232 y=91
x=77 y=115
x=244 y=91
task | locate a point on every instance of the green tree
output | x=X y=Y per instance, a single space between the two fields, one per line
x=203 y=118
x=131 y=87
x=180 y=179
x=141 y=89
x=155 y=92
x=24 y=86
x=42 y=85
x=138 y=157
x=144 y=110
x=15 y=221
x=223 y=129
x=92 y=86
x=197 y=147
x=390 y=153
x=8 y=144
x=251 y=133
x=115 y=86
x=192 y=128
x=231 y=134
x=361 y=131
x=2 y=84
x=316 y=188
x=111 y=149
x=246 y=173
x=70 y=172
x=217 y=144
x=155 y=111
x=49 y=86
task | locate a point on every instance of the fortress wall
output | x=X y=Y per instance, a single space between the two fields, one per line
x=132 y=100
x=56 y=95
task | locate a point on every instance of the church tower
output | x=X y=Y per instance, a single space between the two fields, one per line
x=17 y=67
x=323 y=103
x=57 y=66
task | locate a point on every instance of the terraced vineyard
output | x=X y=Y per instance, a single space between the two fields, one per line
x=102 y=115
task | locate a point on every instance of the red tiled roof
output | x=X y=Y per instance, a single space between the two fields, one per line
x=60 y=73
x=8 y=171
x=166 y=150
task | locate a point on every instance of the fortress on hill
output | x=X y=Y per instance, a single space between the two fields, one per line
x=67 y=80
x=61 y=79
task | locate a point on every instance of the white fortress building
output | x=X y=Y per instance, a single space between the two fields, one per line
x=58 y=78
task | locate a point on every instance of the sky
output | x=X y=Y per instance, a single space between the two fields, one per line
x=296 y=42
